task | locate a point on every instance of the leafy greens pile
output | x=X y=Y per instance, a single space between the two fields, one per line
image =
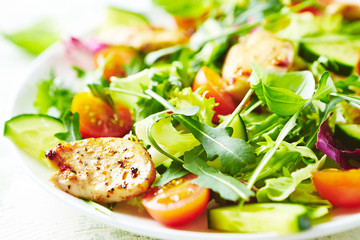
x=285 y=114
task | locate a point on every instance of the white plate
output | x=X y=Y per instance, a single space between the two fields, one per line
x=129 y=219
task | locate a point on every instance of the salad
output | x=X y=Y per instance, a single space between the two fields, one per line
x=248 y=110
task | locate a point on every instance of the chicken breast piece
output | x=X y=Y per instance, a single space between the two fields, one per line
x=349 y=9
x=104 y=170
x=144 y=38
x=260 y=47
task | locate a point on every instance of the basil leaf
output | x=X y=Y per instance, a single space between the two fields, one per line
x=209 y=177
x=234 y=153
x=283 y=93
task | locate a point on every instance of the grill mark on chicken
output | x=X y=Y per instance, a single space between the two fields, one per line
x=104 y=170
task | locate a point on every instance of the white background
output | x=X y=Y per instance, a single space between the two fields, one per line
x=26 y=210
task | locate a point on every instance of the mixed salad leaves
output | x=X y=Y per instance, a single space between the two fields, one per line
x=252 y=106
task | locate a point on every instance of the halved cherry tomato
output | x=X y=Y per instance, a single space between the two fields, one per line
x=97 y=119
x=177 y=202
x=114 y=58
x=214 y=87
x=340 y=188
x=311 y=9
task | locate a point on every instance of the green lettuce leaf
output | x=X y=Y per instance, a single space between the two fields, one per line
x=278 y=189
x=185 y=8
x=37 y=37
x=51 y=94
x=283 y=93
x=135 y=83
x=186 y=98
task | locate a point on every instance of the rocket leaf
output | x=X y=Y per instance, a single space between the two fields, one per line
x=209 y=177
x=234 y=153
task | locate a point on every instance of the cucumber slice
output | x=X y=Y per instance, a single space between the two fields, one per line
x=349 y=135
x=33 y=133
x=239 y=128
x=344 y=54
x=116 y=16
x=282 y=218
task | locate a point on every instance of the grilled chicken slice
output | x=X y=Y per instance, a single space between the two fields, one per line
x=144 y=38
x=349 y=9
x=104 y=170
x=260 y=47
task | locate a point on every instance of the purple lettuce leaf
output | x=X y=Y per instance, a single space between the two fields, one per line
x=80 y=53
x=327 y=144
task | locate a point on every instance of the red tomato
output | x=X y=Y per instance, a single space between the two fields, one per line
x=214 y=86
x=340 y=188
x=114 y=58
x=178 y=202
x=97 y=119
x=312 y=9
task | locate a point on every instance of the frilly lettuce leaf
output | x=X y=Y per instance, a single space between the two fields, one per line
x=306 y=24
x=167 y=136
x=278 y=189
x=134 y=83
x=186 y=98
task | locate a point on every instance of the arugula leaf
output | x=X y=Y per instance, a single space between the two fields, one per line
x=234 y=153
x=163 y=81
x=291 y=123
x=325 y=87
x=37 y=37
x=97 y=87
x=352 y=100
x=209 y=177
x=176 y=170
x=51 y=94
x=152 y=57
x=283 y=93
x=71 y=122
x=210 y=28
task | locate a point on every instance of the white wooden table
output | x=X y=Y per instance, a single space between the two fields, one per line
x=26 y=210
